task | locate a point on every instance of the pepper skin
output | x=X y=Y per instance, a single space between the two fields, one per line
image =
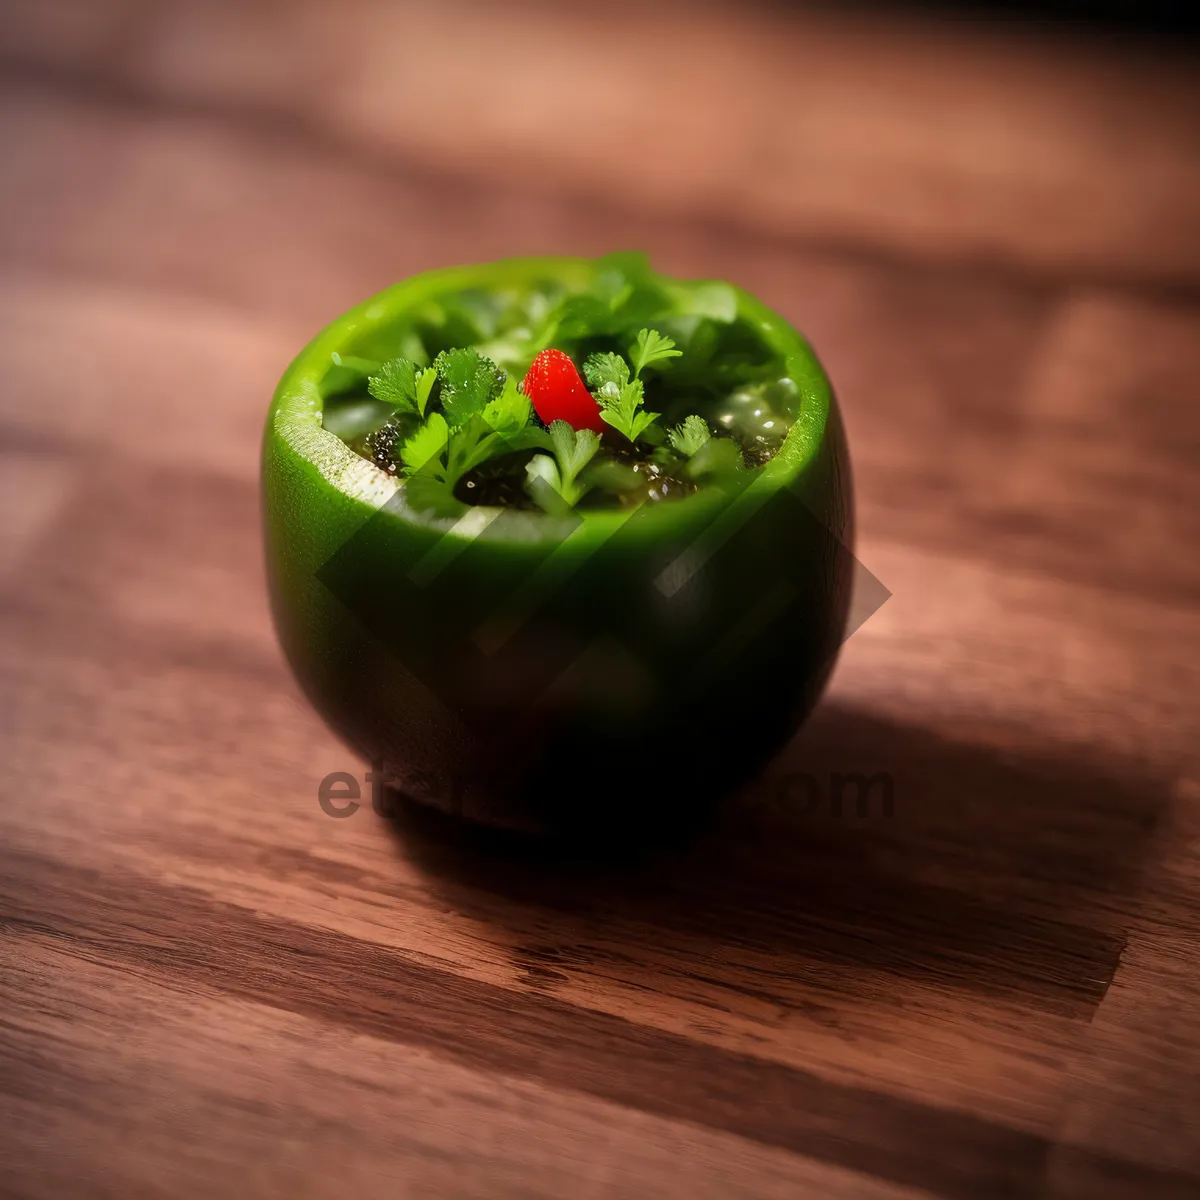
x=609 y=676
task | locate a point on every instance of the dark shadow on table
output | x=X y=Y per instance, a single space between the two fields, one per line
x=995 y=873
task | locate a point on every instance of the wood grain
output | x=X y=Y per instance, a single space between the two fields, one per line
x=209 y=986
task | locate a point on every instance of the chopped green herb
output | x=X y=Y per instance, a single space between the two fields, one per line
x=466 y=415
x=690 y=435
x=573 y=450
x=425 y=381
x=469 y=381
x=395 y=383
x=426 y=444
x=621 y=397
x=601 y=369
x=622 y=409
x=510 y=411
x=651 y=347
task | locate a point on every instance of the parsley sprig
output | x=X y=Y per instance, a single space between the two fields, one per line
x=554 y=482
x=477 y=413
x=689 y=436
x=651 y=347
x=622 y=394
x=439 y=422
x=404 y=385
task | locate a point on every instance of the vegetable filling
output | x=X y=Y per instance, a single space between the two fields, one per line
x=636 y=388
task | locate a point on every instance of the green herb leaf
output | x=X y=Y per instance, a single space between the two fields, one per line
x=620 y=407
x=469 y=381
x=573 y=450
x=544 y=483
x=427 y=491
x=425 y=447
x=436 y=458
x=609 y=395
x=532 y=437
x=641 y=421
x=425 y=382
x=651 y=347
x=470 y=445
x=603 y=369
x=689 y=436
x=395 y=383
x=509 y=412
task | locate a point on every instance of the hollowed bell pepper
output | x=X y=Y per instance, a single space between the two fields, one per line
x=605 y=670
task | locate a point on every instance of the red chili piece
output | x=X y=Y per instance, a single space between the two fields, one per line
x=557 y=393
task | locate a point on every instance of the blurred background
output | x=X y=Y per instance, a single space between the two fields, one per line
x=985 y=217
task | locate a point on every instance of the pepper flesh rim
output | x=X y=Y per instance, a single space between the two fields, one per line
x=295 y=419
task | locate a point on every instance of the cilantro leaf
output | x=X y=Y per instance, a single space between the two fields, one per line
x=690 y=435
x=621 y=407
x=602 y=369
x=426 y=445
x=620 y=398
x=469 y=381
x=509 y=412
x=651 y=347
x=424 y=386
x=532 y=437
x=395 y=383
x=573 y=450
x=437 y=457
x=470 y=445
x=641 y=421
x=428 y=492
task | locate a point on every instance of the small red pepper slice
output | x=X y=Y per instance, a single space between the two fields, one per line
x=557 y=393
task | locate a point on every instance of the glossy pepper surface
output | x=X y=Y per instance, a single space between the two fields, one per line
x=610 y=671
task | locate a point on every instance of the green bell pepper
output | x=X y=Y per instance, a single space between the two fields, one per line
x=606 y=671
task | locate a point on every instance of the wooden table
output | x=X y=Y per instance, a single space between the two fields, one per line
x=210 y=988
